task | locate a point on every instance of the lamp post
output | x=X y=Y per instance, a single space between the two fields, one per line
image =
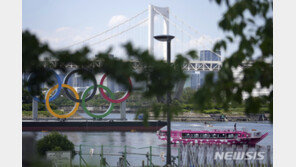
x=167 y=38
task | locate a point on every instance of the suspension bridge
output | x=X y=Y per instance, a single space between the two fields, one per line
x=153 y=21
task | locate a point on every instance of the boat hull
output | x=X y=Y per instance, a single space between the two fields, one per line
x=176 y=139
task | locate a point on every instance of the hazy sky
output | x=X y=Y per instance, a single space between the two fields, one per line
x=64 y=22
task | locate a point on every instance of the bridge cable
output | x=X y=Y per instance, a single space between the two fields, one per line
x=174 y=24
x=115 y=35
x=191 y=28
x=97 y=35
x=188 y=25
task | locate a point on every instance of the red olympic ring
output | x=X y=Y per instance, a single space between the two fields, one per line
x=127 y=94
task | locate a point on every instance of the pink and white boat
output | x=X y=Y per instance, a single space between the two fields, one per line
x=213 y=136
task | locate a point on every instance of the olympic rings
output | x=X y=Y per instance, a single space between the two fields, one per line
x=84 y=105
x=127 y=94
x=71 y=112
x=83 y=99
x=55 y=95
x=68 y=77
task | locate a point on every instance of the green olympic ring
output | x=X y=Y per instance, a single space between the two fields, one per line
x=83 y=104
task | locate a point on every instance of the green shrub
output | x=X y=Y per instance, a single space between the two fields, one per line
x=187 y=106
x=27 y=107
x=212 y=111
x=41 y=107
x=27 y=113
x=54 y=142
x=43 y=113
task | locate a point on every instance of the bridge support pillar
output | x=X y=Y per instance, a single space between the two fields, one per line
x=150 y=29
x=123 y=110
x=35 y=109
x=152 y=11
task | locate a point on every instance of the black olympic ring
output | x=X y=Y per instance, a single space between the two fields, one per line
x=92 y=78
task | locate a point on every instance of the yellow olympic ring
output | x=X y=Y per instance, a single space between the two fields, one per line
x=49 y=108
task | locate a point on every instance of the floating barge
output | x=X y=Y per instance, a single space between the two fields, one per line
x=92 y=125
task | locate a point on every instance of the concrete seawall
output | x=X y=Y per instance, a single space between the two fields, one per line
x=91 y=125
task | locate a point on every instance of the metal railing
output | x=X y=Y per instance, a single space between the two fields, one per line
x=123 y=156
x=189 y=155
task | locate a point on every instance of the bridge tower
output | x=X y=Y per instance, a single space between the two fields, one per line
x=152 y=11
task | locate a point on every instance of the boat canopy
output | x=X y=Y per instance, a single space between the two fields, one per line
x=208 y=135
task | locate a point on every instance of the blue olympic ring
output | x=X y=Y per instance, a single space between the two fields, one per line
x=57 y=92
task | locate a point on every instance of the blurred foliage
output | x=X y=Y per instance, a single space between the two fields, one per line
x=246 y=23
x=158 y=76
x=54 y=142
x=250 y=25
x=160 y=109
x=27 y=102
x=30 y=157
x=26 y=97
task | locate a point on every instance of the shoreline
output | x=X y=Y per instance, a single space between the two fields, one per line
x=185 y=117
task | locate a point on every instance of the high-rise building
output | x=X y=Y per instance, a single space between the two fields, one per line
x=207 y=55
x=196 y=78
x=193 y=80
